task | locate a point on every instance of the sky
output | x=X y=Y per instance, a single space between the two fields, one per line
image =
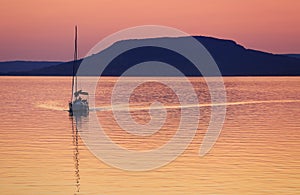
x=44 y=29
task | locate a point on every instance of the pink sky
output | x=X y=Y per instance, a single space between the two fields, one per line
x=43 y=29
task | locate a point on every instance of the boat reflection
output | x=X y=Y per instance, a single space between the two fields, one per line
x=76 y=119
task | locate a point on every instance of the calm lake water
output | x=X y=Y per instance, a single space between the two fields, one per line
x=257 y=152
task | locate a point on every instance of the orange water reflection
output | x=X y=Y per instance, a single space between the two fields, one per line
x=256 y=153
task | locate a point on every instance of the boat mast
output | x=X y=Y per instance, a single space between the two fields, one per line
x=75 y=57
x=74 y=77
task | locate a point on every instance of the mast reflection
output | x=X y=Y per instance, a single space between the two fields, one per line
x=76 y=119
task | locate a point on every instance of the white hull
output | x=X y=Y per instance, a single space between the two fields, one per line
x=79 y=106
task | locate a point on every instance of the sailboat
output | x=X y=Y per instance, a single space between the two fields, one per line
x=79 y=99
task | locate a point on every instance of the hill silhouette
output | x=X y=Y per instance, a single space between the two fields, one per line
x=19 y=66
x=293 y=55
x=231 y=58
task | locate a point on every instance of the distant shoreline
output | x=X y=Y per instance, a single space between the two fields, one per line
x=154 y=76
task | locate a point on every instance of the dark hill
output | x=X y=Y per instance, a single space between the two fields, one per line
x=293 y=55
x=231 y=58
x=19 y=66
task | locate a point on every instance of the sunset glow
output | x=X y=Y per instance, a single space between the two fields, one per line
x=43 y=30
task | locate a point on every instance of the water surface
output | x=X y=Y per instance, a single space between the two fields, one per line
x=257 y=151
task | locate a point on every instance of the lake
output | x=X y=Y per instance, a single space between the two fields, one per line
x=257 y=151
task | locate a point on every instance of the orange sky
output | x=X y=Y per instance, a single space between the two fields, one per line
x=43 y=29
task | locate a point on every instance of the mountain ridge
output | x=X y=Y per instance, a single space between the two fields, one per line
x=232 y=59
